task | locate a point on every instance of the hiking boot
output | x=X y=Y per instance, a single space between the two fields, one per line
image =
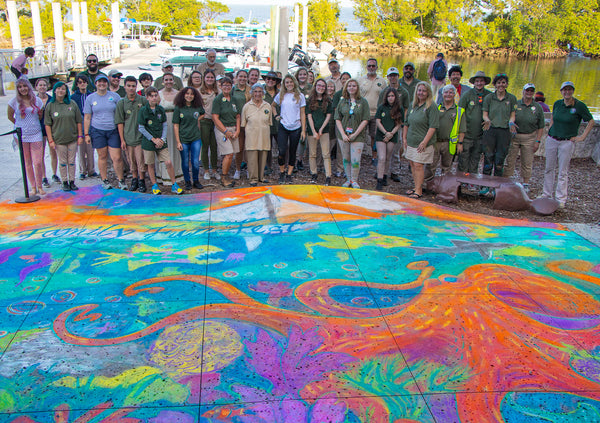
x=188 y=185
x=56 y=179
x=176 y=189
x=122 y=185
x=281 y=178
x=45 y=182
x=156 y=189
x=135 y=184
x=379 y=185
x=394 y=177
x=484 y=191
x=327 y=181
x=226 y=182
x=198 y=185
x=384 y=181
x=142 y=187
x=288 y=179
x=299 y=165
x=106 y=184
x=81 y=176
x=66 y=187
x=73 y=186
x=313 y=178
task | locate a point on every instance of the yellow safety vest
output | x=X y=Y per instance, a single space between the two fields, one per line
x=455 y=128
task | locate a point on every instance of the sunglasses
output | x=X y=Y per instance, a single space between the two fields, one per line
x=116 y=76
x=92 y=61
x=371 y=66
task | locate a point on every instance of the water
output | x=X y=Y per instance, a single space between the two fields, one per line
x=546 y=74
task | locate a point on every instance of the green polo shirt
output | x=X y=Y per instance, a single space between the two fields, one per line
x=121 y=91
x=318 y=116
x=153 y=121
x=566 y=120
x=529 y=118
x=384 y=113
x=126 y=113
x=420 y=119
x=360 y=112
x=242 y=95
x=499 y=110
x=472 y=102
x=410 y=88
x=402 y=96
x=227 y=110
x=447 y=118
x=63 y=119
x=177 y=85
x=187 y=119
x=306 y=90
x=269 y=99
x=91 y=78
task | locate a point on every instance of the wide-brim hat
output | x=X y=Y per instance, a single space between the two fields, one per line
x=480 y=74
x=273 y=75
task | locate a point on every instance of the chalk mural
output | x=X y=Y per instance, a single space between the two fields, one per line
x=292 y=304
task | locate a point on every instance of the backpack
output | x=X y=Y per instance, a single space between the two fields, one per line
x=439 y=70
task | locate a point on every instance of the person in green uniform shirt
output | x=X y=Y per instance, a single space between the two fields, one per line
x=450 y=135
x=114 y=83
x=419 y=135
x=126 y=118
x=271 y=90
x=226 y=115
x=472 y=102
x=305 y=88
x=408 y=81
x=167 y=68
x=241 y=91
x=188 y=114
x=388 y=118
x=152 y=124
x=530 y=123
x=208 y=92
x=64 y=130
x=337 y=165
x=567 y=115
x=91 y=73
x=319 y=109
x=499 y=127
x=351 y=118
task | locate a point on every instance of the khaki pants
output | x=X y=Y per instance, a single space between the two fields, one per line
x=257 y=159
x=66 y=160
x=136 y=160
x=86 y=159
x=521 y=143
x=441 y=153
x=325 y=151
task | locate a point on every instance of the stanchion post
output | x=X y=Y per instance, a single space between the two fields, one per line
x=27 y=198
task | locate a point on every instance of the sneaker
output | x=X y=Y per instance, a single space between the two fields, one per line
x=56 y=179
x=81 y=176
x=379 y=186
x=384 y=181
x=73 y=186
x=313 y=178
x=142 y=187
x=394 y=177
x=562 y=205
x=123 y=185
x=176 y=189
x=198 y=185
x=226 y=182
x=337 y=174
x=347 y=184
x=206 y=176
x=45 y=183
x=355 y=185
x=236 y=175
x=106 y=184
x=288 y=179
x=135 y=184
x=484 y=191
x=156 y=189
x=66 y=187
x=299 y=165
x=94 y=175
x=253 y=184
x=268 y=171
x=188 y=185
x=281 y=178
x=217 y=176
x=327 y=181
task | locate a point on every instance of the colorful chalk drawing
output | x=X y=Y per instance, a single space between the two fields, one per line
x=292 y=304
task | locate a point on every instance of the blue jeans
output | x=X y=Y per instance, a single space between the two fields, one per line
x=190 y=151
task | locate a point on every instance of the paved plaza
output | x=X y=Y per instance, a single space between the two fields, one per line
x=292 y=304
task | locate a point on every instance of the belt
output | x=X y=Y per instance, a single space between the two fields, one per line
x=561 y=139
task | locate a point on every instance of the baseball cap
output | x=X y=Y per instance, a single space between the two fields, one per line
x=411 y=64
x=333 y=59
x=567 y=84
x=392 y=71
x=167 y=63
x=101 y=76
x=528 y=85
x=114 y=72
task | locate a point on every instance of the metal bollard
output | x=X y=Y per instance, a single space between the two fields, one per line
x=1 y=84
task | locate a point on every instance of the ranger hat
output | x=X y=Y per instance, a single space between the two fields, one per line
x=272 y=75
x=480 y=74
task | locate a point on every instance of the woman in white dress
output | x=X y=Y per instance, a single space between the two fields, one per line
x=167 y=98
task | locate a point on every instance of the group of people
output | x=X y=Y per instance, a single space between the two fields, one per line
x=168 y=129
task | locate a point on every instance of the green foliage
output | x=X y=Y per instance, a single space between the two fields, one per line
x=176 y=15
x=208 y=10
x=529 y=27
x=238 y=20
x=323 y=19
